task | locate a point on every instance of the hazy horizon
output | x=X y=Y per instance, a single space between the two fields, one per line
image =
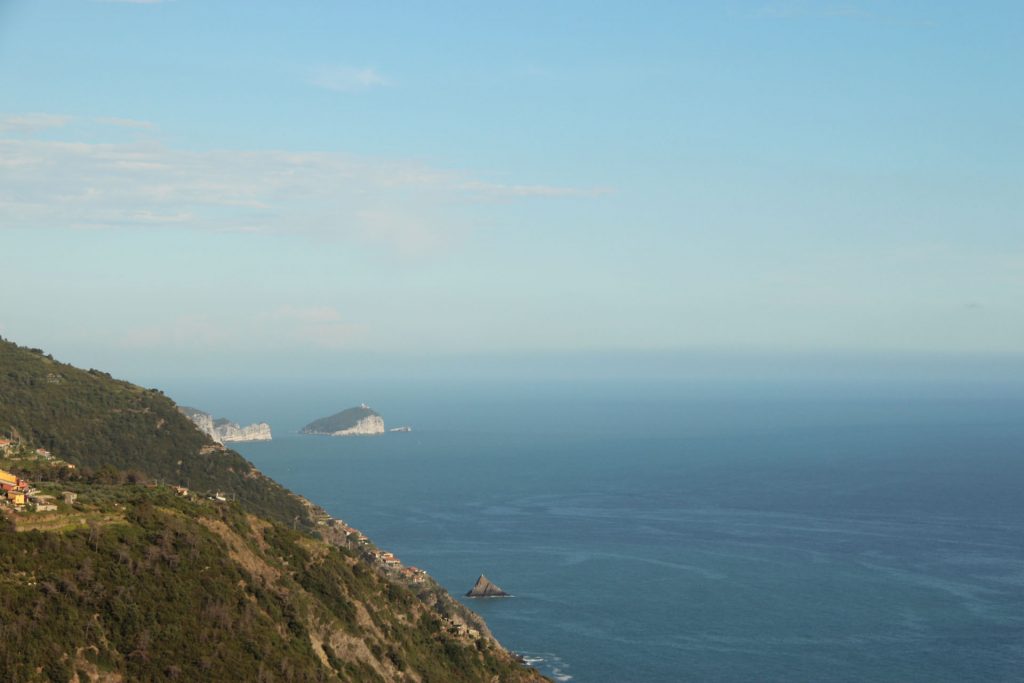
x=200 y=188
x=706 y=318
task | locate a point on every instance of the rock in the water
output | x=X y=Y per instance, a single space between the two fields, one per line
x=485 y=589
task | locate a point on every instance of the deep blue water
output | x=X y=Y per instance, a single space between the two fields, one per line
x=673 y=538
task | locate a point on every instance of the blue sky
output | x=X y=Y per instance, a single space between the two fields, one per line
x=208 y=185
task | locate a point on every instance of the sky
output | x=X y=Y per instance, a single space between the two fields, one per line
x=203 y=188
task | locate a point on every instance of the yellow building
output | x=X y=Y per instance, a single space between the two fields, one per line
x=8 y=478
x=16 y=497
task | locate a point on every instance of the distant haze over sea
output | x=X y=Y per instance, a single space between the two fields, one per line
x=432 y=395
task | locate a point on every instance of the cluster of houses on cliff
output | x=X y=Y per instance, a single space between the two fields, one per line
x=384 y=561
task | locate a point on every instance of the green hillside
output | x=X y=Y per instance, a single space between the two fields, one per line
x=108 y=573
x=94 y=421
x=154 y=587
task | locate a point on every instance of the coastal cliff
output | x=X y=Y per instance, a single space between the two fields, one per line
x=153 y=553
x=223 y=430
x=361 y=421
x=231 y=431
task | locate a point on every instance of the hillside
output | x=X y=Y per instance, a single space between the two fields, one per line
x=360 y=420
x=157 y=587
x=110 y=575
x=94 y=421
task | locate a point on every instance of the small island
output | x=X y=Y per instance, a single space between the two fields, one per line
x=361 y=421
x=483 y=588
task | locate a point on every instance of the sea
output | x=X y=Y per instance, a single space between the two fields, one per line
x=674 y=532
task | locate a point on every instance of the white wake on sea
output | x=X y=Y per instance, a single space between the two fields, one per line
x=548 y=661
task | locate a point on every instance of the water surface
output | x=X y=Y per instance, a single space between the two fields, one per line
x=823 y=539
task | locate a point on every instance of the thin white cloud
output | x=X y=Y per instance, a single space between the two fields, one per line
x=30 y=123
x=347 y=78
x=500 y=191
x=47 y=184
x=287 y=327
x=125 y=123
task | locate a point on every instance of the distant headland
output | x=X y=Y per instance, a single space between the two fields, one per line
x=223 y=430
x=360 y=421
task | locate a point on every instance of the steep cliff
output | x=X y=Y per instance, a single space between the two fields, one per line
x=129 y=580
x=231 y=431
x=204 y=421
x=223 y=430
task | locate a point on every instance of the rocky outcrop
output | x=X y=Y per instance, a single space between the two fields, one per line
x=361 y=421
x=222 y=429
x=204 y=421
x=373 y=424
x=485 y=589
x=233 y=432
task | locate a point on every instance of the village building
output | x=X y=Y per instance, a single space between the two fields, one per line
x=12 y=481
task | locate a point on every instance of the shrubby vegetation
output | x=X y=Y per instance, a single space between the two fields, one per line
x=133 y=580
x=180 y=590
x=94 y=421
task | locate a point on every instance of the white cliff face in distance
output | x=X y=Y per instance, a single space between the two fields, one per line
x=202 y=420
x=222 y=430
x=361 y=421
x=233 y=432
x=369 y=425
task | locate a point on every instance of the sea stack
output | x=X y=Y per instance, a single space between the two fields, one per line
x=485 y=589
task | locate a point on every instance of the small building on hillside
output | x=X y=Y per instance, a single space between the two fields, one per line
x=69 y=496
x=12 y=481
x=16 y=497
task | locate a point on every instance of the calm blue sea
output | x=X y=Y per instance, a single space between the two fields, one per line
x=669 y=534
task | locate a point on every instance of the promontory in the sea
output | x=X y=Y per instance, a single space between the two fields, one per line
x=485 y=589
x=361 y=421
x=223 y=430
